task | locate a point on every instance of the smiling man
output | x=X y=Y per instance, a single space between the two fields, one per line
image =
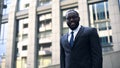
x=80 y=47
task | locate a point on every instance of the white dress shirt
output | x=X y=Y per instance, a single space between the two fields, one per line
x=75 y=32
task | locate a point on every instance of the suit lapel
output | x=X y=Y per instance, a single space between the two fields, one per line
x=76 y=38
x=78 y=35
x=66 y=41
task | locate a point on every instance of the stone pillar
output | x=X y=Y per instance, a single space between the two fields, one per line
x=11 y=38
x=56 y=27
x=83 y=12
x=114 y=14
x=32 y=36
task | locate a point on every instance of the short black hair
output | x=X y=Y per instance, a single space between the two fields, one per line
x=72 y=10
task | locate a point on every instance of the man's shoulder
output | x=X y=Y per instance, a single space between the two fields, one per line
x=89 y=29
x=64 y=35
x=86 y=27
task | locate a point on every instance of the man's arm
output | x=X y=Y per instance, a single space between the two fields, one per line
x=62 y=56
x=96 y=50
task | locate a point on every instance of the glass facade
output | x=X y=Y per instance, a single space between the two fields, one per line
x=6 y=9
x=100 y=11
x=99 y=18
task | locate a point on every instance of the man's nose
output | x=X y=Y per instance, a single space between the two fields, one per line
x=71 y=19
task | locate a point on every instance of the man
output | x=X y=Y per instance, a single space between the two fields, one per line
x=80 y=47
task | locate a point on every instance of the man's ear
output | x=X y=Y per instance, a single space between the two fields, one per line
x=79 y=18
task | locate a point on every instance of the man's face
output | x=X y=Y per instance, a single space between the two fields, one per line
x=72 y=19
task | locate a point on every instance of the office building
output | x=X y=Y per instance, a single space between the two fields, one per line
x=31 y=30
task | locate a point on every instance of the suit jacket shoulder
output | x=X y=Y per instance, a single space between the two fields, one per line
x=89 y=29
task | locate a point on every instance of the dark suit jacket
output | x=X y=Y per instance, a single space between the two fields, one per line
x=86 y=51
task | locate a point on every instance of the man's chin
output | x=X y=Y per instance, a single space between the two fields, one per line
x=73 y=28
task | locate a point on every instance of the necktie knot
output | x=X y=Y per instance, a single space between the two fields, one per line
x=72 y=32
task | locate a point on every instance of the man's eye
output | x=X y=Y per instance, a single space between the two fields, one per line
x=71 y=18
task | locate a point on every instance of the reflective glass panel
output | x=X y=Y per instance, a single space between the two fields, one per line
x=100 y=11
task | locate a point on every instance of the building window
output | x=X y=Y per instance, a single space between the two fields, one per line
x=25 y=25
x=93 y=9
x=111 y=39
x=109 y=26
x=24 y=62
x=45 y=25
x=99 y=11
x=45 y=55
x=3 y=39
x=26 y=5
x=104 y=40
x=44 y=61
x=6 y=9
x=44 y=47
x=107 y=10
x=44 y=2
x=25 y=36
x=22 y=28
x=23 y=4
x=102 y=26
x=99 y=18
x=24 y=47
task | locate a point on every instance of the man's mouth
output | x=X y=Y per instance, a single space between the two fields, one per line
x=72 y=23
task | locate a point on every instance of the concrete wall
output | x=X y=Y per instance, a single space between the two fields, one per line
x=111 y=60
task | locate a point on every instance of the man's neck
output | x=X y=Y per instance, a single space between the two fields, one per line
x=75 y=29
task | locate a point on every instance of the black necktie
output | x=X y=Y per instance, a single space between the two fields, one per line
x=72 y=39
